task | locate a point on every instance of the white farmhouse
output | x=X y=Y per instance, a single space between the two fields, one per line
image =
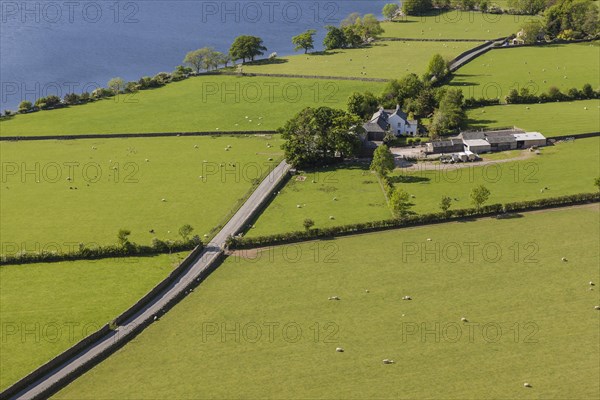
x=401 y=125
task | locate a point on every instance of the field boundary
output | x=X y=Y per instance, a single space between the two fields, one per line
x=466 y=215
x=471 y=54
x=132 y=135
x=300 y=76
x=396 y=39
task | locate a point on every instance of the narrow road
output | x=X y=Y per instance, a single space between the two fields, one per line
x=456 y=64
x=51 y=381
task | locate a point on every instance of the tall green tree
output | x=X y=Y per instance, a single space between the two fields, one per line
x=479 y=195
x=305 y=40
x=363 y=105
x=322 y=135
x=383 y=161
x=389 y=10
x=116 y=85
x=246 y=47
x=416 y=7
x=399 y=203
x=335 y=38
x=445 y=203
x=437 y=67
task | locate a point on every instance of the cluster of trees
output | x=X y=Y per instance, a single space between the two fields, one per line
x=205 y=59
x=566 y=20
x=524 y=96
x=320 y=136
x=353 y=31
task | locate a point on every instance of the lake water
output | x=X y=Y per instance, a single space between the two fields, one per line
x=57 y=47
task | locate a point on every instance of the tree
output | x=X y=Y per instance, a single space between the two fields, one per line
x=308 y=223
x=371 y=26
x=335 y=38
x=389 y=11
x=450 y=114
x=383 y=161
x=445 y=204
x=116 y=85
x=319 y=136
x=363 y=105
x=246 y=47
x=25 y=106
x=437 y=68
x=416 y=7
x=597 y=182
x=479 y=195
x=353 y=35
x=587 y=91
x=305 y=41
x=194 y=59
x=530 y=7
x=399 y=203
x=71 y=98
x=531 y=31
x=350 y=19
x=185 y=231
x=123 y=237
x=572 y=19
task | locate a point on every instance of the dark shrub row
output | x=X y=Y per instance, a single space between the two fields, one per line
x=524 y=96
x=411 y=220
x=92 y=253
x=472 y=102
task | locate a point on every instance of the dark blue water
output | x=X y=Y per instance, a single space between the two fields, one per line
x=57 y=47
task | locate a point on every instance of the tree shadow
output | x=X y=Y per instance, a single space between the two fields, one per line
x=323 y=53
x=266 y=61
x=509 y=216
x=408 y=179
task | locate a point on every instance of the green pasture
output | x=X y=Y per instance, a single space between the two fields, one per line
x=47 y=308
x=263 y=327
x=209 y=103
x=56 y=194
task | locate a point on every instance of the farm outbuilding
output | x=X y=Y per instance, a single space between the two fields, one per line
x=445 y=146
x=529 y=139
x=477 y=146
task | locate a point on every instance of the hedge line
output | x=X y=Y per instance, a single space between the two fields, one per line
x=412 y=220
x=92 y=253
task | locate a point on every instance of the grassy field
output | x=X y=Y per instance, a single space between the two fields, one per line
x=46 y=308
x=42 y=214
x=389 y=60
x=456 y=25
x=357 y=193
x=551 y=119
x=207 y=103
x=497 y=72
x=566 y=168
x=358 y=201
x=532 y=318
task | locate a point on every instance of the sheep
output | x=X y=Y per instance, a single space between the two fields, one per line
x=387 y=361
x=592 y=283
x=156 y=317
x=406 y=298
x=463 y=319
x=564 y=259
x=298 y=206
x=333 y=298
x=195 y=146
x=339 y=349
x=163 y=200
x=366 y=290
x=68 y=178
x=527 y=385
x=331 y=217
x=597 y=308
x=147 y=160
x=429 y=239
x=335 y=199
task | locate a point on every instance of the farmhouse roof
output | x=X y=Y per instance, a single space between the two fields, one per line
x=476 y=142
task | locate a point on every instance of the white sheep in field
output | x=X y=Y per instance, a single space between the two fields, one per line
x=592 y=283
x=527 y=385
x=406 y=298
x=387 y=361
x=463 y=319
x=333 y=298
x=339 y=349
x=564 y=259
x=597 y=308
